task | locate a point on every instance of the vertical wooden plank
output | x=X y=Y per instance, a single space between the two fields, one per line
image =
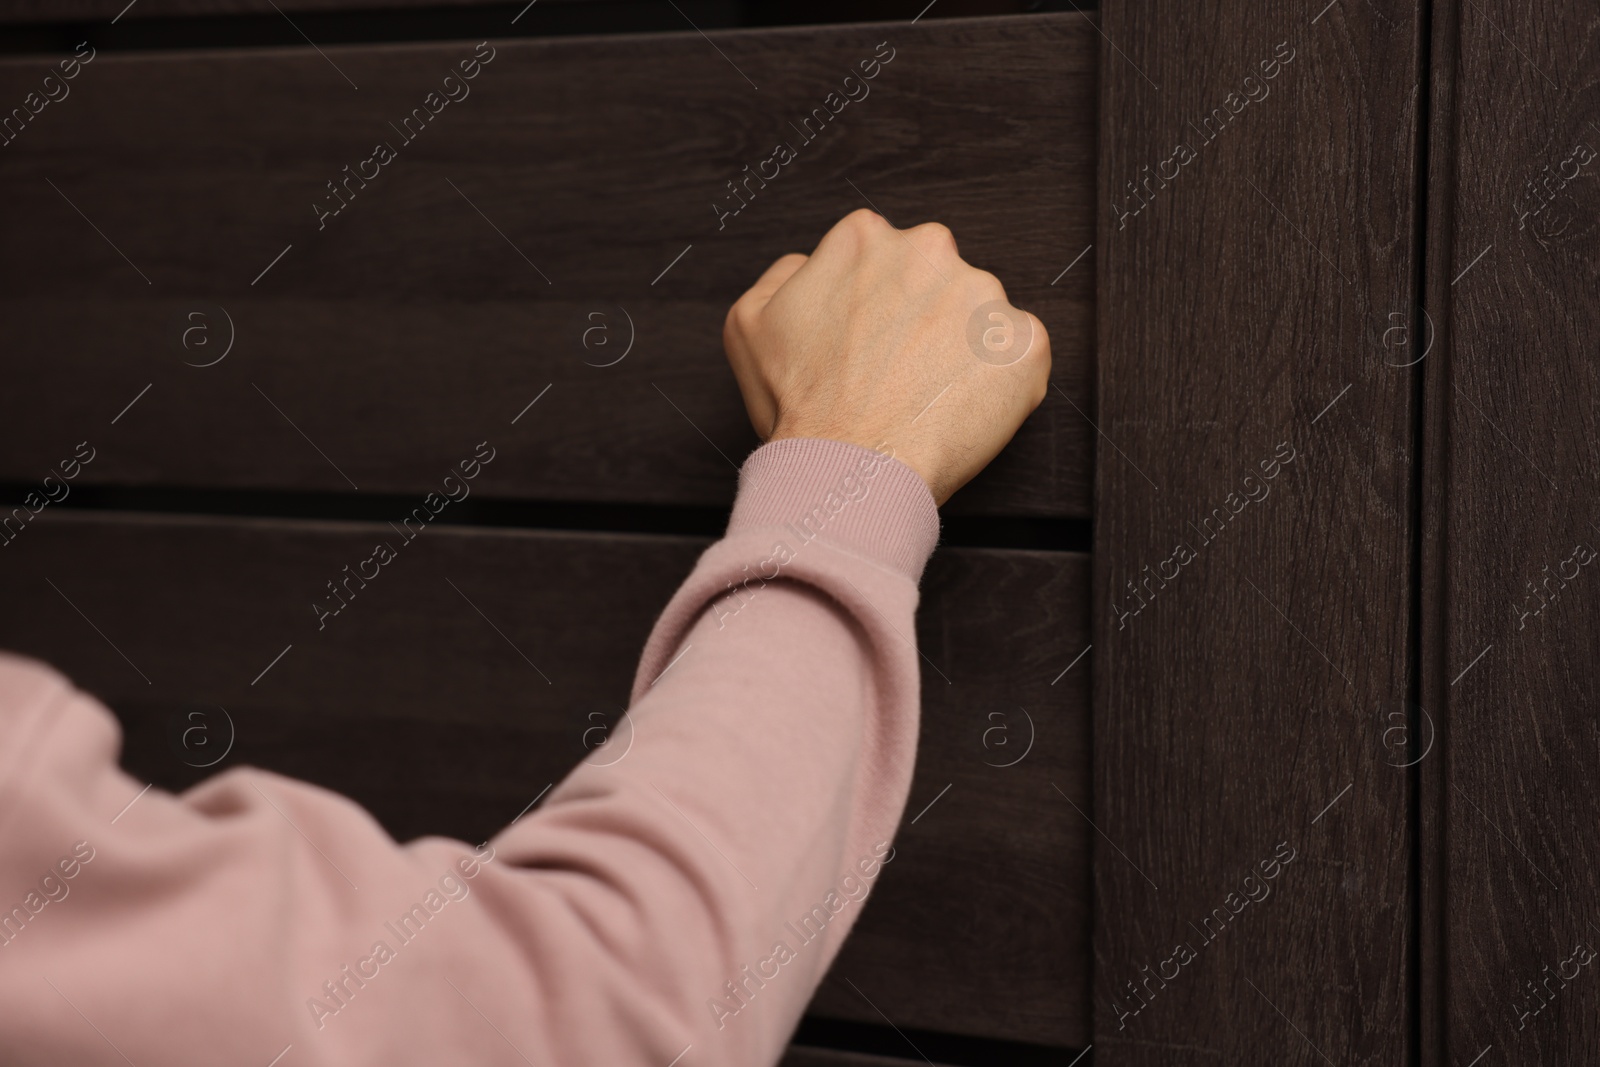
x=1433 y=874
x=1254 y=533
x=1514 y=279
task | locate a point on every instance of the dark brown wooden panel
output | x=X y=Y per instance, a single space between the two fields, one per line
x=800 y=1056
x=1251 y=614
x=986 y=697
x=569 y=196
x=94 y=10
x=766 y=12
x=468 y=676
x=1514 y=265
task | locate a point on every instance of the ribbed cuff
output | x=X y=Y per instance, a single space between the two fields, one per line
x=844 y=494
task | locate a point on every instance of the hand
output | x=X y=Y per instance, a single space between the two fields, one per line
x=882 y=338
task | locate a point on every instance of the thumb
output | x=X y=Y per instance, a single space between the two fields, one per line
x=771 y=281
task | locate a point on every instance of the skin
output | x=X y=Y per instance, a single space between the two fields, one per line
x=866 y=341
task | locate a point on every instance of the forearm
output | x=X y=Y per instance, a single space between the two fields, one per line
x=772 y=739
x=761 y=811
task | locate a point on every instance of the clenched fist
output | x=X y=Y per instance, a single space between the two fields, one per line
x=888 y=339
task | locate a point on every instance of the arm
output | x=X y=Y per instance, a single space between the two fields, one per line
x=687 y=895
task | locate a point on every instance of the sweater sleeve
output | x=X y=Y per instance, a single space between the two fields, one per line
x=674 y=901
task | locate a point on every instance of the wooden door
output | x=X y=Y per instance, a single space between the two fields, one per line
x=1254 y=603
x=1281 y=592
x=1511 y=928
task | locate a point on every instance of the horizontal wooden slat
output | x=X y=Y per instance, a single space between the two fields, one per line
x=94 y=10
x=521 y=11
x=801 y=1056
x=426 y=700
x=412 y=326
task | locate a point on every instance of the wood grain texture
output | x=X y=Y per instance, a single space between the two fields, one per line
x=1240 y=695
x=426 y=700
x=95 y=10
x=464 y=279
x=764 y=11
x=1433 y=803
x=1000 y=860
x=1513 y=277
x=801 y=1056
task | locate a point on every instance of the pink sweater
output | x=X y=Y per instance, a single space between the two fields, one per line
x=675 y=900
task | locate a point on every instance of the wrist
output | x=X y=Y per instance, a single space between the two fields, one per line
x=854 y=496
x=872 y=442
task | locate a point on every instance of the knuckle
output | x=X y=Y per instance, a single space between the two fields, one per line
x=984 y=284
x=1032 y=362
x=741 y=317
x=1037 y=358
x=1038 y=362
x=864 y=220
x=1041 y=342
x=851 y=235
x=936 y=235
x=748 y=314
